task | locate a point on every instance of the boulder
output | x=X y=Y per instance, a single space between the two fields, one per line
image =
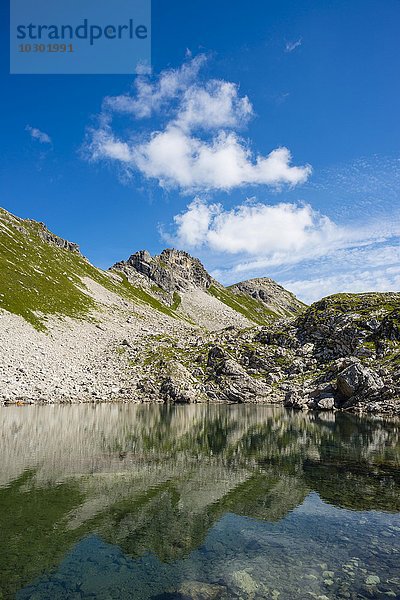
x=358 y=380
x=294 y=399
x=327 y=403
x=199 y=590
x=179 y=386
x=230 y=380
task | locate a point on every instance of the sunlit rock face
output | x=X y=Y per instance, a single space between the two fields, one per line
x=172 y=270
x=270 y=293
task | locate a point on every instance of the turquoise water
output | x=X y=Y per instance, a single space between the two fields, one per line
x=197 y=502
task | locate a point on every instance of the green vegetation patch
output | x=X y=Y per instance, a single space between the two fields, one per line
x=176 y=300
x=38 y=278
x=248 y=307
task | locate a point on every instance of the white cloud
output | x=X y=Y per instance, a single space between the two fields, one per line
x=224 y=162
x=305 y=251
x=151 y=97
x=199 y=146
x=290 y=46
x=274 y=233
x=36 y=134
x=372 y=267
x=105 y=145
x=213 y=106
x=194 y=224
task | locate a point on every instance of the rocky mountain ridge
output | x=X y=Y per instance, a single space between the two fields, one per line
x=162 y=329
x=173 y=270
x=270 y=293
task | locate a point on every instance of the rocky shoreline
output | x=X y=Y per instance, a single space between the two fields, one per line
x=288 y=362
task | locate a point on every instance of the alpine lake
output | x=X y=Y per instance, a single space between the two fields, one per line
x=197 y=502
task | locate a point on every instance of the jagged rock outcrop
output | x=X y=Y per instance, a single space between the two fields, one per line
x=180 y=387
x=353 y=339
x=358 y=380
x=229 y=381
x=178 y=279
x=29 y=226
x=348 y=383
x=274 y=296
x=172 y=270
x=389 y=328
x=52 y=238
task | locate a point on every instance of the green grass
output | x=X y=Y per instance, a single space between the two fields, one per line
x=140 y=296
x=248 y=307
x=39 y=279
x=36 y=277
x=176 y=300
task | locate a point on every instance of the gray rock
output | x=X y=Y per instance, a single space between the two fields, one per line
x=327 y=403
x=55 y=240
x=274 y=296
x=357 y=379
x=231 y=381
x=172 y=270
x=180 y=387
x=199 y=590
x=372 y=580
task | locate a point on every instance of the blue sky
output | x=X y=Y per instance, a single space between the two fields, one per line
x=266 y=142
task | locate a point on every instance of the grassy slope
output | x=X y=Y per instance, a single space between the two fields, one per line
x=283 y=312
x=39 y=279
x=249 y=307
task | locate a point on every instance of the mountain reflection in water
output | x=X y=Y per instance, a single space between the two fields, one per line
x=200 y=502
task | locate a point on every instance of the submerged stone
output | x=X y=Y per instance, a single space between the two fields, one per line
x=372 y=580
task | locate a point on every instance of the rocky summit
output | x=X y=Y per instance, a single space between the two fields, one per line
x=173 y=270
x=270 y=293
x=161 y=329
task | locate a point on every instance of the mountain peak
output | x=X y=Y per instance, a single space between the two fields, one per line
x=173 y=270
x=270 y=293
